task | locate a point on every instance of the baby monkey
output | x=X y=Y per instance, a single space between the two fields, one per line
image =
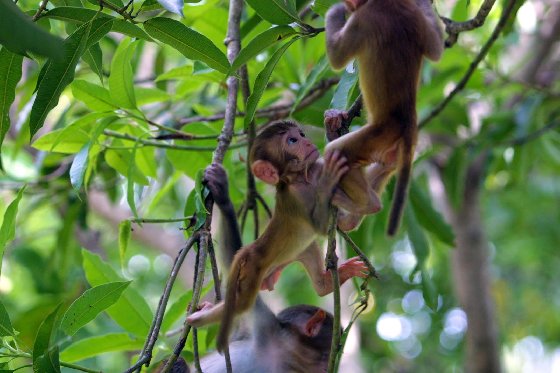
x=282 y=156
x=389 y=39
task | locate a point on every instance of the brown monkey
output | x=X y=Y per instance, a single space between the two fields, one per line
x=389 y=39
x=298 y=339
x=282 y=156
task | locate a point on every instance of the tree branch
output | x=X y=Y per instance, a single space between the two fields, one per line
x=453 y=28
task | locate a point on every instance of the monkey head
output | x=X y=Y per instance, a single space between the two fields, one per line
x=280 y=149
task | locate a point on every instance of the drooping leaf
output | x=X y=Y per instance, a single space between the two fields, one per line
x=6 y=328
x=429 y=290
x=8 y=228
x=79 y=167
x=262 y=81
x=121 y=85
x=259 y=43
x=10 y=71
x=93 y=346
x=124 y=239
x=341 y=97
x=428 y=217
x=277 y=12
x=190 y=43
x=45 y=356
x=19 y=34
x=90 y=304
x=174 y=6
x=418 y=240
x=56 y=75
x=131 y=311
x=94 y=58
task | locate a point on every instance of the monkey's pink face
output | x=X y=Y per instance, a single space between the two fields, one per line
x=296 y=144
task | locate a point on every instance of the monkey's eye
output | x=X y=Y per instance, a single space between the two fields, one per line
x=302 y=134
x=291 y=140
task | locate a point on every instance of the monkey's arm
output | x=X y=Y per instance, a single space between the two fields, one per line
x=343 y=38
x=433 y=35
x=313 y=261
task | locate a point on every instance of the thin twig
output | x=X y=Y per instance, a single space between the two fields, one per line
x=41 y=9
x=146 y=354
x=453 y=28
x=363 y=257
x=473 y=66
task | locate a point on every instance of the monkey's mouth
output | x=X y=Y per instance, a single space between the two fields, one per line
x=311 y=153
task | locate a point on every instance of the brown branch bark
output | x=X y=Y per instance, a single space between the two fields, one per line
x=453 y=28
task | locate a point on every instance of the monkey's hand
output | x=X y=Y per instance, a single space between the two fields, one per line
x=198 y=318
x=333 y=119
x=216 y=181
x=334 y=168
x=353 y=267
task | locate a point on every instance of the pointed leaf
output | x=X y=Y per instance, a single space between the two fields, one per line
x=19 y=34
x=190 y=43
x=79 y=167
x=55 y=76
x=124 y=238
x=316 y=73
x=94 y=58
x=343 y=91
x=8 y=228
x=121 y=85
x=262 y=81
x=417 y=238
x=10 y=71
x=259 y=43
x=278 y=12
x=45 y=356
x=90 y=304
x=6 y=328
x=131 y=311
x=94 y=96
x=429 y=291
x=93 y=346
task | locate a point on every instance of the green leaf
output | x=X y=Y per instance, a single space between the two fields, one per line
x=6 y=328
x=429 y=290
x=10 y=71
x=8 y=228
x=176 y=311
x=94 y=96
x=45 y=356
x=90 y=304
x=190 y=43
x=19 y=34
x=418 y=240
x=262 y=81
x=454 y=175
x=121 y=85
x=321 y=6
x=55 y=76
x=180 y=72
x=79 y=167
x=428 y=217
x=278 y=12
x=81 y=15
x=124 y=239
x=259 y=43
x=131 y=311
x=316 y=73
x=94 y=58
x=93 y=346
x=343 y=91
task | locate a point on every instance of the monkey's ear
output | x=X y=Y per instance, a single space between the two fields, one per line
x=265 y=171
x=315 y=323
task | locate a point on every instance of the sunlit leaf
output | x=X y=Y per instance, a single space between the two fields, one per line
x=90 y=304
x=78 y=167
x=121 y=85
x=10 y=71
x=124 y=238
x=174 y=6
x=93 y=346
x=94 y=96
x=131 y=311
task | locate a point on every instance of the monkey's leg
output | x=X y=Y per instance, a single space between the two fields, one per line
x=355 y=195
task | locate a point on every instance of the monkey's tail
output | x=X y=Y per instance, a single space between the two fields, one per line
x=230 y=304
x=403 y=180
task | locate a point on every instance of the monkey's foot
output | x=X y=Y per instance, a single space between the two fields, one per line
x=333 y=119
x=353 y=267
x=348 y=221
